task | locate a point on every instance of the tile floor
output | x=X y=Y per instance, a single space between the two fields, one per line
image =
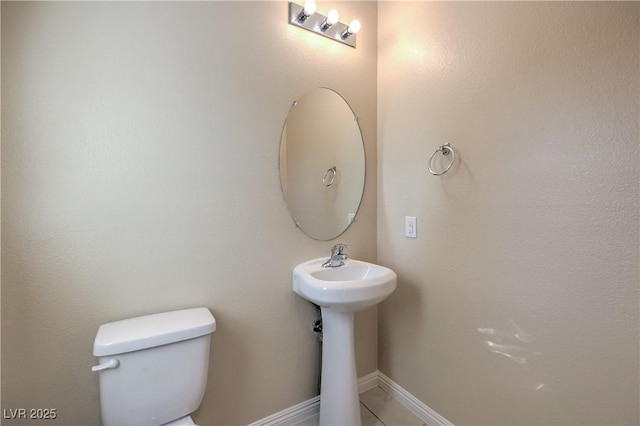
x=378 y=408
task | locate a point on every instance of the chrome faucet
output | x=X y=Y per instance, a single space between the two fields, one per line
x=337 y=256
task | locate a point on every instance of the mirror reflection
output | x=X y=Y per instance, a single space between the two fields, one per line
x=322 y=164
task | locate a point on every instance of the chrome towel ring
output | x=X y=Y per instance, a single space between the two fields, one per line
x=329 y=176
x=446 y=150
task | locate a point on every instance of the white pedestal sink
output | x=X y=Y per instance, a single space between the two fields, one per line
x=340 y=292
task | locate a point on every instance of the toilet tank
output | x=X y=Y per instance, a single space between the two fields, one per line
x=153 y=369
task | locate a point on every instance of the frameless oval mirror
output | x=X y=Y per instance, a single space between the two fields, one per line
x=322 y=164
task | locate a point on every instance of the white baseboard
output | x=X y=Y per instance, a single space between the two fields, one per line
x=311 y=407
x=292 y=415
x=368 y=382
x=413 y=404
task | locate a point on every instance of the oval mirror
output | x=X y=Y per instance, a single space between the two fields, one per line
x=322 y=164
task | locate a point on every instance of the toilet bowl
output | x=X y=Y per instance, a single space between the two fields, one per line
x=153 y=369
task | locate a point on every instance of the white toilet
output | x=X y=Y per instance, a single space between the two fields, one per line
x=153 y=369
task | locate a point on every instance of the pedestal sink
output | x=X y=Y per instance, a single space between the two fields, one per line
x=340 y=292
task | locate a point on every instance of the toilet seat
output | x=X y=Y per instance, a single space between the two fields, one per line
x=186 y=420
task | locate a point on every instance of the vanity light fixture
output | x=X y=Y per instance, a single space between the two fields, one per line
x=328 y=26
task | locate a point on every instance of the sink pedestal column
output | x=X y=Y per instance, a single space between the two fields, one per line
x=339 y=401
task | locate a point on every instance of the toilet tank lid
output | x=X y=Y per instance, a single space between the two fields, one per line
x=152 y=330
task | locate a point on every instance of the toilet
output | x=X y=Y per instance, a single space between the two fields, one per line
x=153 y=369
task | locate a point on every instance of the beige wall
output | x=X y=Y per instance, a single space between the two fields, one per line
x=140 y=174
x=518 y=302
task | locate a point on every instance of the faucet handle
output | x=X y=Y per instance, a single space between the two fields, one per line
x=339 y=248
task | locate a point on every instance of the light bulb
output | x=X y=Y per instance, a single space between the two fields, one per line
x=309 y=7
x=308 y=10
x=354 y=26
x=333 y=17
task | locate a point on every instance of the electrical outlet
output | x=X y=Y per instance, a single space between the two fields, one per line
x=410 y=227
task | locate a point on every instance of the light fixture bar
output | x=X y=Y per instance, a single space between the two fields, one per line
x=316 y=23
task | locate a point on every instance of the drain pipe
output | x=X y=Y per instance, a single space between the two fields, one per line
x=317 y=328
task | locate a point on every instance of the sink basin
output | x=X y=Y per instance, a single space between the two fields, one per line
x=354 y=286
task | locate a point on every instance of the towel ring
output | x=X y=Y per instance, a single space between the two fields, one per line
x=334 y=171
x=446 y=150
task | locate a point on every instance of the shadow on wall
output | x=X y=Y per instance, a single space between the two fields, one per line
x=459 y=183
x=228 y=355
x=407 y=302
